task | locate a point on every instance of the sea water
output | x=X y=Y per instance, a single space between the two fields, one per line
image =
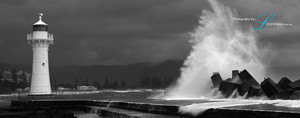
x=194 y=106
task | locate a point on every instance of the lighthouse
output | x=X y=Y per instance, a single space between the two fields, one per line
x=40 y=40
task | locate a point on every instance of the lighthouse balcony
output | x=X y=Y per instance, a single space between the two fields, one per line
x=40 y=36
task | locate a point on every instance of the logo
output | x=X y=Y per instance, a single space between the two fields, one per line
x=264 y=22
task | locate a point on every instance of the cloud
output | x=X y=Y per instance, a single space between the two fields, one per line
x=281 y=41
x=131 y=31
x=99 y=31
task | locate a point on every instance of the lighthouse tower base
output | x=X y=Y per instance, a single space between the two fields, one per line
x=40 y=82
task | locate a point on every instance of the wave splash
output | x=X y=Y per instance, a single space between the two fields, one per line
x=219 y=44
x=199 y=108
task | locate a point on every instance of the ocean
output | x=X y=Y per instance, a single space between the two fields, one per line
x=192 y=106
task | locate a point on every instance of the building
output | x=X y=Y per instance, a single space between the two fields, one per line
x=86 y=88
x=40 y=40
x=7 y=75
x=22 y=76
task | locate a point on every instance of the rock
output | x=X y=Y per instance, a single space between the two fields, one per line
x=245 y=75
x=226 y=87
x=242 y=81
x=270 y=88
x=254 y=91
x=295 y=85
x=244 y=86
x=216 y=79
x=235 y=73
x=235 y=94
x=236 y=79
x=69 y=114
x=295 y=95
x=284 y=83
x=285 y=94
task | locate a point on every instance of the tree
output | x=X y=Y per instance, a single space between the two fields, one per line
x=23 y=84
x=145 y=82
x=167 y=81
x=54 y=83
x=23 y=77
x=76 y=82
x=82 y=83
x=87 y=81
x=106 y=83
x=14 y=76
x=96 y=84
x=115 y=85
x=1 y=75
x=123 y=84
x=155 y=83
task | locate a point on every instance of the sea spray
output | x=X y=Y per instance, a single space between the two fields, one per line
x=218 y=44
x=197 y=109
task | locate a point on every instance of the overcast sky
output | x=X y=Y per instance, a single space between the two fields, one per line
x=113 y=32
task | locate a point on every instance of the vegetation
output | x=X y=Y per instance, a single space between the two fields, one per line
x=19 y=81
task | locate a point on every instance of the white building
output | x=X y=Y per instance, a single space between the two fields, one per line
x=22 y=76
x=7 y=75
x=40 y=40
x=85 y=88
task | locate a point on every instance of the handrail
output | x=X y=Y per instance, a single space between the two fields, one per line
x=31 y=37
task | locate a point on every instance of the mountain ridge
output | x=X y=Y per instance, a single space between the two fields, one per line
x=131 y=73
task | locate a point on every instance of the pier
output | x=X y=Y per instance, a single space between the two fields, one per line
x=105 y=108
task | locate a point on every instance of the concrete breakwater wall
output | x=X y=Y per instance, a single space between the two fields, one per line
x=100 y=107
x=132 y=109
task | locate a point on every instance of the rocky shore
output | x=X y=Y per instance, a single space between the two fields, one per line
x=243 y=84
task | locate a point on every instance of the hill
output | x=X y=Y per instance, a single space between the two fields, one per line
x=131 y=74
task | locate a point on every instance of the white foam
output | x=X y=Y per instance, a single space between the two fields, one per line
x=79 y=92
x=87 y=115
x=219 y=44
x=288 y=103
x=198 y=108
x=106 y=90
x=89 y=92
x=129 y=90
x=8 y=95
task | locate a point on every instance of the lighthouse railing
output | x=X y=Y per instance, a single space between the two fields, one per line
x=28 y=96
x=30 y=36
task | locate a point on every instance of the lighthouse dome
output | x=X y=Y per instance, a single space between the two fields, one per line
x=40 y=22
x=40 y=25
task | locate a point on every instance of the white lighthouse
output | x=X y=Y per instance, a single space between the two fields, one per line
x=40 y=40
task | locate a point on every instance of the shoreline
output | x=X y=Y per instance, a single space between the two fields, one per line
x=107 y=108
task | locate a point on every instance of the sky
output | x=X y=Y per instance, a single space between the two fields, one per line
x=120 y=32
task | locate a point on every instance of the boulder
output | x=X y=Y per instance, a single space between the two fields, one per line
x=245 y=75
x=284 y=83
x=236 y=79
x=270 y=88
x=216 y=79
x=244 y=86
x=295 y=95
x=254 y=91
x=235 y=73
x=245 y=80
x=242 y=81
x=295 y=85
x=285 y=94
x=226 y=87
